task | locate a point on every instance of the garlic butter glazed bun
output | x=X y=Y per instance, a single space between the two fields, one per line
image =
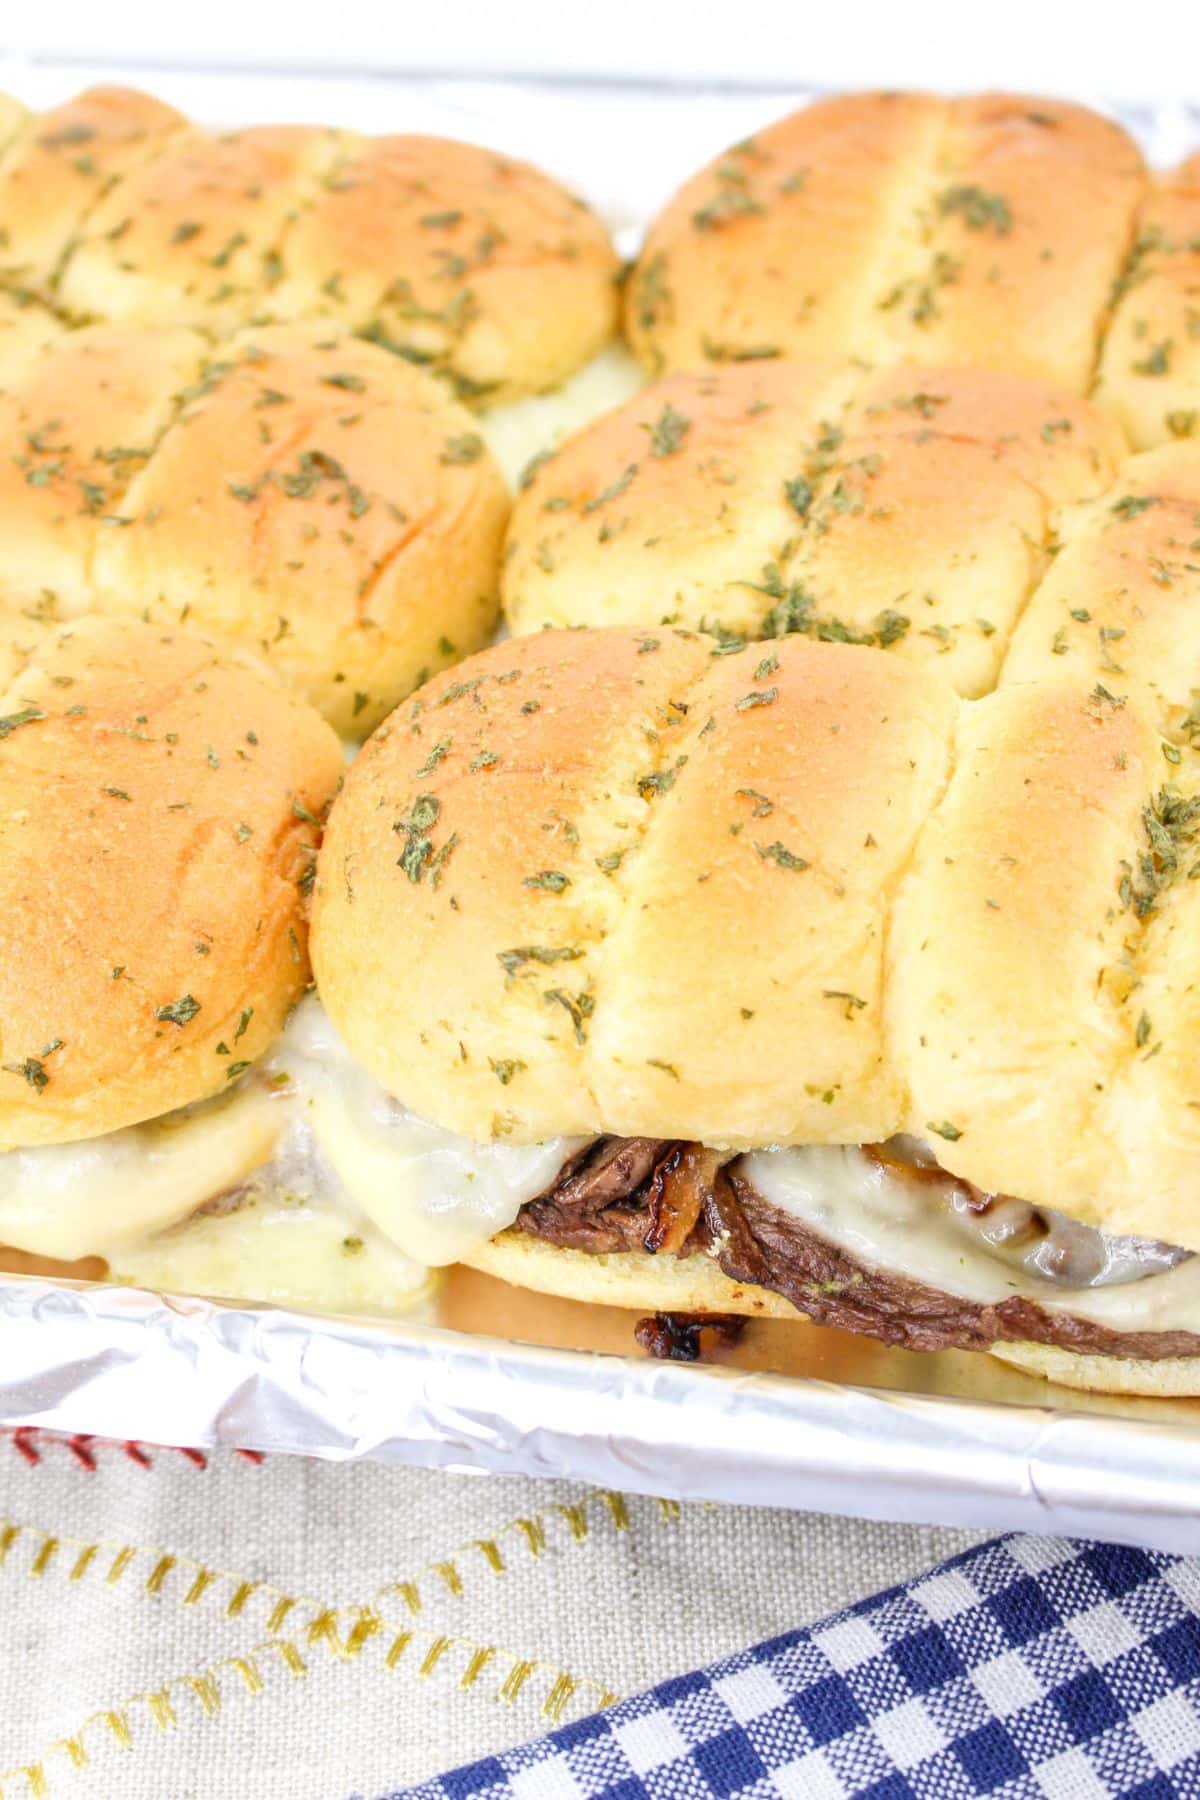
x=822 y=990
x=294 y=491
x=171 y=792
x=986 y=229
x=911 y=509
x=1149 y=374
x=454 y=256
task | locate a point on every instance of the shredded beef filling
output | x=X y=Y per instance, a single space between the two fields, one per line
x=680 y=1199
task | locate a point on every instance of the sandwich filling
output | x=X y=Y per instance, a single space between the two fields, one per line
x=308 y=1183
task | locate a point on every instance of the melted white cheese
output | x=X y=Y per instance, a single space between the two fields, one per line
x=434 y=1194
x=309 y=1184
x=93 y=1197
x=312 y=1154
x=905 y=1227
x=518 y=432
x=284 y=1248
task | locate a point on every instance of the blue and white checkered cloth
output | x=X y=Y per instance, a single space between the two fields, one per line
x=1026 y=1669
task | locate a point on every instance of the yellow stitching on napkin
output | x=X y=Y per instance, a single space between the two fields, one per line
x=45 y=1554
x=204 y=1579
x=120 y=1563
x=8 y=1537
x=244 y=1591
x=161 y=1710
x=531 y=1533
x=80 y=1566
x=474 y=1669
x=440 y=1656
x=159 y=1573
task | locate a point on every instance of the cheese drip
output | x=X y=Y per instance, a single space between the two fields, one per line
x=924 y=1230
x=307 y=1182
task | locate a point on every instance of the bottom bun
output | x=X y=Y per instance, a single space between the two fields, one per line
x=1168 y=1377
x=644 y=1283
x=628 y=1278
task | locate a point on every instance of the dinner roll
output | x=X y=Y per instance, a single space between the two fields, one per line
x=984 y=229
x=603 y=882
x=1150 y=365
x=456 y=257
x=77 y=420
x=909 y=508
x=1043 y=999
x=1120 y=602
x=25 y=325
x=60 y=163
x=195 y=234
x=158 y=815
x=296 y=491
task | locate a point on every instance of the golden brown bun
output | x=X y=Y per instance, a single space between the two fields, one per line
x=909 y=507
x=695 y=1284
x=157 y=802
x=61 y=163
x=1176 y=1377
x=1120 y=603
x=298 y=492
x=625 y=1278
x=448 y=254
x=986 y=229
x=1043 y=962
x=76 y=422
x=456 y=256
x=195 y=234
x=25 y=325
x=596 y=881
x=1150 y=366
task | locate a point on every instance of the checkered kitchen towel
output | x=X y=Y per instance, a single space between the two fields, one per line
x=1026 y=1667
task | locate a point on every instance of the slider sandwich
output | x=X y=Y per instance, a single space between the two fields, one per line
x=780 y=982
x=165 y=1084
x=159 y=803
x=479 y=268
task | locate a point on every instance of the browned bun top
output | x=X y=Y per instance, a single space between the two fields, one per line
x=58 y=164
x=1150 y=366
x=195 y=234
x=597 y=881
x=1120 y=602
x=986 y=229
x=909 y=508
x=1044 y=975
x=459 y=257
x=158 y=818
x=295 y=490
x=25 y=325
x=451 y=255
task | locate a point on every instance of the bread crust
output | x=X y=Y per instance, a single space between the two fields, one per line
x=1149 y=374
x=985 y=229
x=1042 y=973
x=910 y=508
x=59 y=163
x=470 y=261
x=597 y=881
x=642 y=1283
x=158 y=801
x=296 y=492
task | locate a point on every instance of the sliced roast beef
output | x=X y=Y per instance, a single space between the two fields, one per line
x=641 y=1193
x=599 y=1201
